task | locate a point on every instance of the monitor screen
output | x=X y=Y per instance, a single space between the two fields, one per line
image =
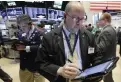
x=33 y=12
x=55 y=14
x=13 y=12
x=5 y=32
x=3 y=26
x=57 y=4
x=47 y=27
x=11 y=3
x=3 y=13
x=51 y=14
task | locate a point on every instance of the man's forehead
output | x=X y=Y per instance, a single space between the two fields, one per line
x=77 y=13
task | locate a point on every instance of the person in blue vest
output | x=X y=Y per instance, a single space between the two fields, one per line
x=29 y=41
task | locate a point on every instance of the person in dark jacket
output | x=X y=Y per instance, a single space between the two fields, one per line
x=57 y=57
x=106 y=43
x=29 y=40
x=1 y=39
x=41 y=28
x=119 y=38
x=3 y=75
x=89 y=28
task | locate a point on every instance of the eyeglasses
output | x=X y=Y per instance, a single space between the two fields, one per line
x=77 y=18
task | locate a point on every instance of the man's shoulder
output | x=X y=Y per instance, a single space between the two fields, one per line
x=90 y=37
x=88 y=33
x=54 y=32
x=37 y=32
x=109 y=29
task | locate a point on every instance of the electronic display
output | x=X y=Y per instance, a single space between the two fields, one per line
x=57 y=4
x=3 y=13
x=55 y=14
x=14 y=11
x=51 y=13
x=47 y=27
x=11 y=3
x=34 y=12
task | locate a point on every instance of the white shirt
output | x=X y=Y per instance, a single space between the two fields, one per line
x=77 y=47
x=30 y=32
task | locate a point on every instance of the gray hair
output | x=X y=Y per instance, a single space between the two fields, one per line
x=74 y=5
x=23 y=17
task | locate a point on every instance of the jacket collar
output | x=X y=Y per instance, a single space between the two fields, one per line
x=108 y=25
x=58 y=30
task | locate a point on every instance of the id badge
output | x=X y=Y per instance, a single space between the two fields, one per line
x=90 y=50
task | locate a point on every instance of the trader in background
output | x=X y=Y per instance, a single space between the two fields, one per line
x=89 y=28
x=106 y=43
x=119 y=38
x=1 y=38
x=97 y=27
x=30 y=39
x=41 y=28
x=97 y=30
x=59 y=59
x=3 y=75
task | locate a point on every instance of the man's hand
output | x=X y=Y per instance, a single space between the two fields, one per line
x=20 y=47
x=69 y=70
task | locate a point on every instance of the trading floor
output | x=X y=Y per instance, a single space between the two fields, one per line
x=12 y=68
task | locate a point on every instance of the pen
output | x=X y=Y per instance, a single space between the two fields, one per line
x=72 y=62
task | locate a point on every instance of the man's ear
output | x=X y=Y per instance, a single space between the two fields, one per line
x=65 y=15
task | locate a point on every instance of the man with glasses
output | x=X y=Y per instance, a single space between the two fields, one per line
x=64 y=51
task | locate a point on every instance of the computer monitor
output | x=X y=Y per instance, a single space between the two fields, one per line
x=2 y=26
x=11 y=3
x=47 y=27
x=33 y=12
x=58 y=4
x=15 y=11
x=51 y=14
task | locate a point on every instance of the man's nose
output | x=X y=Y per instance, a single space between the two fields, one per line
x=77 y=22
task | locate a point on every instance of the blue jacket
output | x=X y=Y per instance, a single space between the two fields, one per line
x=27 y=59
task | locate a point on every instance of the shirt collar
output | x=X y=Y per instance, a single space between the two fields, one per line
x=32 y=29
x=106 y=25
x=66 y=31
